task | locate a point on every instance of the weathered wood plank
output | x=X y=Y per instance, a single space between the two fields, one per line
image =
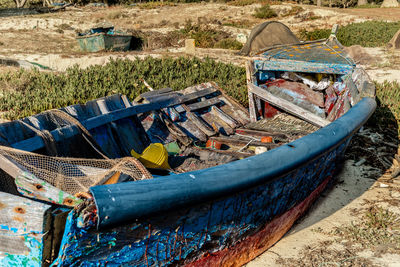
x=32 y=187
x=21 y=215
x=127 y=135
x=176 y=131
x=261 y=133
x=198 y=122
x=301 y=66
x=233 y=141
x=22 y=230
x=288 y=106
x=203 y=104
x=250 y=80
x=156 y=92
x=227 y=152
x=201 y=93
x=217 y=123
x=225 y=117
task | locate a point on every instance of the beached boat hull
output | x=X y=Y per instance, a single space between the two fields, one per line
x=102 y=41
x=187 y=224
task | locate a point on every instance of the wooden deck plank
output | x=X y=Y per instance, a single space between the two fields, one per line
x=250 y=80
x=288 y=106
x=203 y=104
x=23 y=227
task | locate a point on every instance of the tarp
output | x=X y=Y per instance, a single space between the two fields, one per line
x=268 y=34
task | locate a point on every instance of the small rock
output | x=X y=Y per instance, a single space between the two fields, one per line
x=382 y=185
x=390 y=3
x=241 y=38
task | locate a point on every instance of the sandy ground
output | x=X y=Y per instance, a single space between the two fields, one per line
x=355 y=191
x=48 y=39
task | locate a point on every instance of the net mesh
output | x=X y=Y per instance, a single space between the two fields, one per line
x=75 y=175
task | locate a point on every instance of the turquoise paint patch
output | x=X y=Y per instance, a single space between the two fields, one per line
x=34 y=257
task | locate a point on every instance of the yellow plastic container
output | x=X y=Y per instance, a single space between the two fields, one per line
x=154 y=156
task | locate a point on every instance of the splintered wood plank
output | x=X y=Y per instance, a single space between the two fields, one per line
x=224 y=117
x=217 y=123
x=260 y=134
x=30 y=186
x=23 y=225
x=234 y=141
x=227 y=152
x=288 y=106
x=250 y=80
x=198 y=122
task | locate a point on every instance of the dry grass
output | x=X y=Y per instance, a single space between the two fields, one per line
x=154 y=5
x=378 y=228
x=27 y=41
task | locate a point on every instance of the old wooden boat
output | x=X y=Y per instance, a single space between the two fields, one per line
x=104 y=39
x=74 y=196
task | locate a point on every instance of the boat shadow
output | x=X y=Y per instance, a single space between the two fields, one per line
x=369 y=155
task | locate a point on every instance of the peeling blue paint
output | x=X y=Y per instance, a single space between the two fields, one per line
x=33 y=259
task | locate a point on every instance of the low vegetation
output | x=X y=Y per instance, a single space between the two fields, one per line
x=238 y=23
x=229 y=43
x=265 y=12
x=153 y=5
x=367 y=34
x=387 y=114
x=24 y=93
x=378 y=228
x=242 y=2
x=205 y=36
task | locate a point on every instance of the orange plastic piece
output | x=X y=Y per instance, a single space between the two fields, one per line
x=266 y=139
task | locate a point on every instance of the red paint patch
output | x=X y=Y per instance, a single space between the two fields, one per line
x=254 y=245
x=269 y=111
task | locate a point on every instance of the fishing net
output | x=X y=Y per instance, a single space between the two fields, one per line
x=74 y=175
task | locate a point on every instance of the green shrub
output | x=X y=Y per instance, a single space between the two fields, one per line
x=387 y=114
x=204 y=35
x=367 y=34
x=265 y=12
x=369 y=5
x=229 y=43
x=242 y=2
x=314 y=35
x=238 y=23
x=24 y=93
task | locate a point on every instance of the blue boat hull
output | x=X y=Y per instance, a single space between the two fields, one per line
x=204 y=217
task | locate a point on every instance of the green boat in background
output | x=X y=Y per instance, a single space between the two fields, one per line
x=104 y=39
